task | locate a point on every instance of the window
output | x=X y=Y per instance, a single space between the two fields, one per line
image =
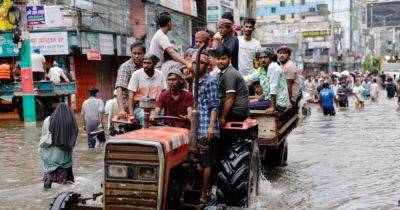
x=311 y=9
x=303 y=2
x=283 y=17
x=325 y=51
x=273 y=9
x=283 y=3
x=292 y=15
x=309 y=52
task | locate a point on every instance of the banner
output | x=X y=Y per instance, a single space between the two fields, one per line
x=106 y=44
x=90 y=42
x=188 y=7
x=50 y=43
x=7 y=46
x=35 y=15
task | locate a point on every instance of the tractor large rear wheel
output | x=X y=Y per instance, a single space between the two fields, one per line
x=65 y=201
x=238 y=177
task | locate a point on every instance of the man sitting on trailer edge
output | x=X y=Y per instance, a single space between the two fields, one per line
x=209 y=130
x=234 y=95
x=273 y=83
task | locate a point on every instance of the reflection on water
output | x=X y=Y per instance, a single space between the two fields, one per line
x=350 y=161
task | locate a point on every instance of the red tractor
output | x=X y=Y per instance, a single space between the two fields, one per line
x=158 y=167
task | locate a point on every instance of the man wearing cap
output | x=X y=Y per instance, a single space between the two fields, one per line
x=55 y=73
x=38 y=62
x=273 y=83
x=228 y=40
x=160 y=41
x=202 y=38
x=125 y=72
x=92 y=113
x=176 y=101
x=291 y=73
x=146 y=82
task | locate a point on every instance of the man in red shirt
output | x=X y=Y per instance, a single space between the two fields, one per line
x=175 y=101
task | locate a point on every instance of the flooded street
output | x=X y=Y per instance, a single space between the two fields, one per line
x=350 y=161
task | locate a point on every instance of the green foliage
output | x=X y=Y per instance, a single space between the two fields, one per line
x=375 y=64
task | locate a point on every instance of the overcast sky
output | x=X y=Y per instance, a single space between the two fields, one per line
x=341 y=14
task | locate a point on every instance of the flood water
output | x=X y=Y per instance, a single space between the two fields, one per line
x=350 y=161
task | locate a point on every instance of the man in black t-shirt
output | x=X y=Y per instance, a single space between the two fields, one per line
x=343 y=94
x=234 y=95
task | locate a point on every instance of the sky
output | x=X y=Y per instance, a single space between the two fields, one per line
x=341 y=14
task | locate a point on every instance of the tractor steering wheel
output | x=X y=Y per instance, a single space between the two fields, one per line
x=161 y=121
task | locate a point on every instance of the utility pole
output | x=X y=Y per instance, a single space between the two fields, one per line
x=351 y=25
x=332 y=41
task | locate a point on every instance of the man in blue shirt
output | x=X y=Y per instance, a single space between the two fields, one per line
x=326 y=99
x=209 y=129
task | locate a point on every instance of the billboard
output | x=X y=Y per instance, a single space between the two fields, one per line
x=383 y=14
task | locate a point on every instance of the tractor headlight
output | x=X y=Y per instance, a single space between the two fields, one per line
x=118 y=171
x=147 y=173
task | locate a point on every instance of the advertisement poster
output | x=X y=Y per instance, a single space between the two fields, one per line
x=50 y=43
x=106 y=44
x=7 y=46
x=35 y=15
x=90 y=42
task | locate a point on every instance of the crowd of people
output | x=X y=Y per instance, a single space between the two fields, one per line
x=230 y=85
x=335 y=89
x=235 y=76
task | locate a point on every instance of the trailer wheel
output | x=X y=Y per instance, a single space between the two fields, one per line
x=238 y=176
x=65 y=201
x=39 y=108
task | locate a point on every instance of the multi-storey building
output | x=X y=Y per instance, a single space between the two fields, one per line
x=270 y=12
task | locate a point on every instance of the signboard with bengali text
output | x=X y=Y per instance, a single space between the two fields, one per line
x=50 y=43
x=35 y=15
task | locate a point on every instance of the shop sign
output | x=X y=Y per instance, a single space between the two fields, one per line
x=7 y=46
x=90 y=41
x=35 y=15
x=50 y=43
x=188 y=7
x=213 y=11
x=83 y=4
x=316 y=33
x=106 y=44
x=320 y=45
x=93 y=55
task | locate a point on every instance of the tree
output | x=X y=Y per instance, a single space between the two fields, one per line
x=371 y=63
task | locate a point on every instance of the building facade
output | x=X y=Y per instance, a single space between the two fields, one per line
x=271 y=12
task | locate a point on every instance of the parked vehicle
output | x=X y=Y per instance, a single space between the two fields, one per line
x=46 y=95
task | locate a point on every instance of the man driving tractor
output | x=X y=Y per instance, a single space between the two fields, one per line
x=175 y=101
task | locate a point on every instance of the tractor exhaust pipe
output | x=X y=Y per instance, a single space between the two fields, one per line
x=194 y=123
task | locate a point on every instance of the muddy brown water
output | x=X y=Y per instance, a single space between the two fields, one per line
x=350 y=161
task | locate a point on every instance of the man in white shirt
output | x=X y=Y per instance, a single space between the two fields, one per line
x=38 y=62
x=248 y=46
x=146 y=82
x=111 y=109
x=55 y=73
x=160 y=41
